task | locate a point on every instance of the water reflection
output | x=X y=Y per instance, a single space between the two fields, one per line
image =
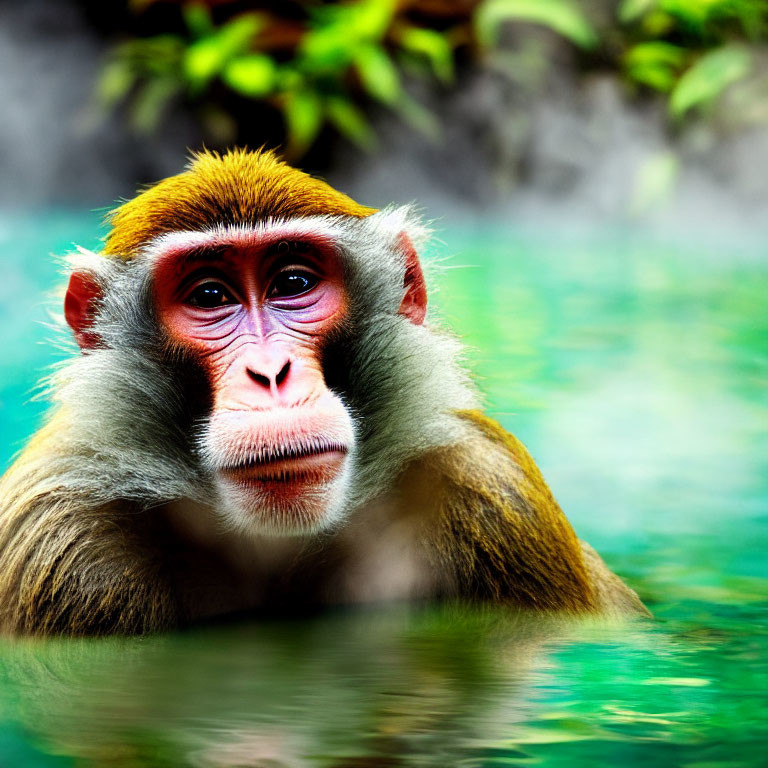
x=386 y=687
x=434 y=687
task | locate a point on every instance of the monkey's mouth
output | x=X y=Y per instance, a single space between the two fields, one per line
x=281 y=468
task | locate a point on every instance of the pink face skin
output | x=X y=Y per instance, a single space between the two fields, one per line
x=255 y=313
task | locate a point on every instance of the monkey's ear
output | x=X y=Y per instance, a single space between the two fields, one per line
x=414 y=303
x=83 y=294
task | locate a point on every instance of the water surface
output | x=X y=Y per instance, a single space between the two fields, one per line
x=634 y=368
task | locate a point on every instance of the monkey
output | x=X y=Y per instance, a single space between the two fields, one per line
x=262 y=418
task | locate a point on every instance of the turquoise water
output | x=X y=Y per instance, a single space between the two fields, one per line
x=635 y=369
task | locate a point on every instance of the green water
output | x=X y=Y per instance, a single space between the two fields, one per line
x=635 y=370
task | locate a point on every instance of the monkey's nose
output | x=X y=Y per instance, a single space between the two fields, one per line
x=270 y=376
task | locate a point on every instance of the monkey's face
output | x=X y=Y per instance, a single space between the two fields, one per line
x=245 y=348
x=255 y=311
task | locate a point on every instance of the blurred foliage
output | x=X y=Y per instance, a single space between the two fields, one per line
x=315 y=63
x=691 y=49
x=324 y=64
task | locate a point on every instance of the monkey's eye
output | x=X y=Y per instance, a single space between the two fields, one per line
x=210 y=295
x=292 y=283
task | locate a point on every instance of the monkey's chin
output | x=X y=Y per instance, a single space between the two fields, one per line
x=286 y=498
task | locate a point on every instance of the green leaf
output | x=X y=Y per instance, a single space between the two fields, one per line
x=252 y=75
x=362 y=20
x=303 y=113
x=631 y=10
x=713 y=18
x=338 y=30
x=238 y=33
x=418 y=117
x=709 y=77
x=350 y=122
x=657 y=24
x=378 y=74
x=655 y=64
x=203 y=60
x=561 y=16
x=288 y=79
x=153 y=56
x=206 y=58
x=325 y=49
x=370 y=19
x=752 y=15
x=115 y=82
x=197 y=17
x=432 y=45
x=150 y=101
x=692 y=15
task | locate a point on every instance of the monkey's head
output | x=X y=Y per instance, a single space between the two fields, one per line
x=266 y=330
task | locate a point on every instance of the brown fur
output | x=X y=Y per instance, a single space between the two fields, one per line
x=236 y=188
x=68 y=567
x=478 y=519
x=503 y=532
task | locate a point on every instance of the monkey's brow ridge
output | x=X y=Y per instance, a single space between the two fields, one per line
x=204 y=253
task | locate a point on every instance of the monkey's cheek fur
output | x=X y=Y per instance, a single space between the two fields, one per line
x=297 y=497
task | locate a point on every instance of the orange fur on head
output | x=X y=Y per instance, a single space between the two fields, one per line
x=239 y=187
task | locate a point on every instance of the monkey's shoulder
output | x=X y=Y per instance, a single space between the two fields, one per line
x=500 y=520
x=68 y=566
x=492 y=460
x=493 y=522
